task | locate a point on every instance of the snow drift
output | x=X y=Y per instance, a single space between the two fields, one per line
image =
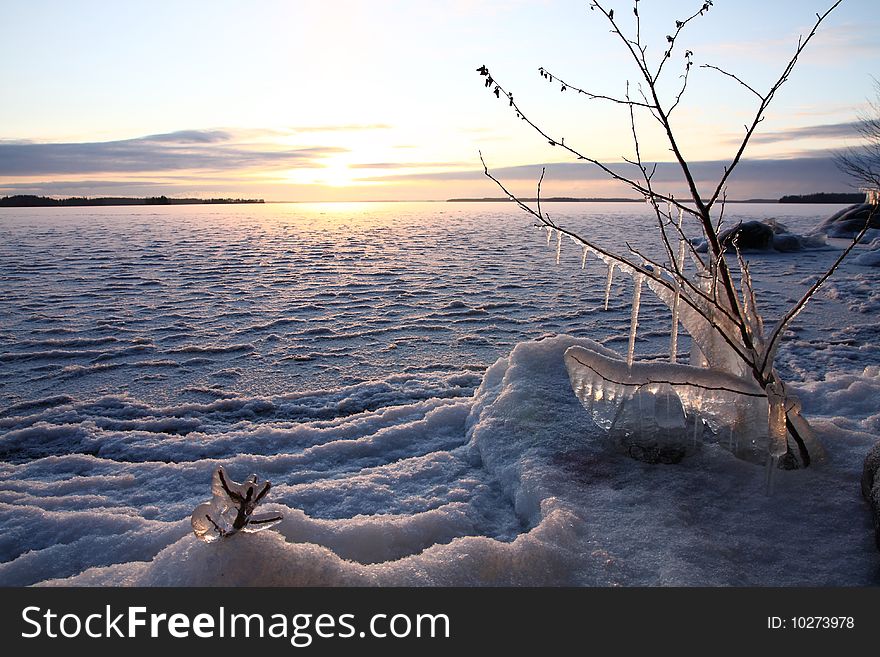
x=518 y=487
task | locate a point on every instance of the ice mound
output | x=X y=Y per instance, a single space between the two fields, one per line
x=871 y=487
x=870 y=257
x=585 y=514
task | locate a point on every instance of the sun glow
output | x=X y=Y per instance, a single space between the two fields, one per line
x=336 y=174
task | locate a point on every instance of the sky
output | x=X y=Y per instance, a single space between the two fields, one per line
x=339 y=100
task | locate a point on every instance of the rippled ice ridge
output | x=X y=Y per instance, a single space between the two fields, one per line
x=331 y=348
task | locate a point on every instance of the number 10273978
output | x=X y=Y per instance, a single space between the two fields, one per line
x=811 y=623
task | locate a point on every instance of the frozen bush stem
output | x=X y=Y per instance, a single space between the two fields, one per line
x=738 y=343
x=231 y=509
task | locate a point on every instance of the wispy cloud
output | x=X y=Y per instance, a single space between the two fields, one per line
x=837 y=43
x=782 y=175
x=350 y=127
x=824 y=131
x=407 y=165
x=192 y=150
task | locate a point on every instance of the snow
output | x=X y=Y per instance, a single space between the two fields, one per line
x=400 y=450
x=871 y=256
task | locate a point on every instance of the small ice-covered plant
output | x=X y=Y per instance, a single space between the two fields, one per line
x=731 y=382
x=231 y=509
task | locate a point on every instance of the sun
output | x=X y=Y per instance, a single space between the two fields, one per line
x=336 y=174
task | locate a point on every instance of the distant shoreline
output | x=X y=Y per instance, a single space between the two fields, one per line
x=28 y=201
x=31 y=201
x=821 y=197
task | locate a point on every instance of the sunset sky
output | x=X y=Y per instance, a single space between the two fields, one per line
x=342 y=100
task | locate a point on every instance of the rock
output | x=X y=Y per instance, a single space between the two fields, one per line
x=848 y=222
x=767 y=235
x=749 y=235
x=871 y=487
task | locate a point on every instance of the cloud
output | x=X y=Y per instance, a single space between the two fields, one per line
x=199 y=150
x=824 y=131
x=353 y=127
x=751 y=177
x=406 y=165
x=190 y=137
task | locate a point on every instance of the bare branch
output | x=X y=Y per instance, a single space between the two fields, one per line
x=766 y=99
x=491 y=82
x=566 y=86
x=731 y=75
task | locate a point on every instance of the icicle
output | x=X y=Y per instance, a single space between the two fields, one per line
x=777 y=430
x=549 y=233
x=608 y=283
x=777 y=433
x=558 y=245
x=584 y=259
x=634 y=318
x=676 y=299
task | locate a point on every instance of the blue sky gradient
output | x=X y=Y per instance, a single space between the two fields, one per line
x=340 y=100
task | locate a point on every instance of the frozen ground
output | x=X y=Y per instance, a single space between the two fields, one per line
x=342 y=353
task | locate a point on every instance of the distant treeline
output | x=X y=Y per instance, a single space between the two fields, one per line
x=823 y=197
x=31 y=201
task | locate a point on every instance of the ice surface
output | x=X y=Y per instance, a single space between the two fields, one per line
x=585 y=516
x=337 y=350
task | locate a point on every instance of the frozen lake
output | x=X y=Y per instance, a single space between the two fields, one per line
x=335 y=349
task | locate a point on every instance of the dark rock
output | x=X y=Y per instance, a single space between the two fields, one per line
x=768 y=235
x=749 y=235
x=871 y=487
x=848 y=222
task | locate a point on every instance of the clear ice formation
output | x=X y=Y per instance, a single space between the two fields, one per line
x=608 y=283
x=634 y=318
x=663 y=411
x=647 y=407
x=231 y=508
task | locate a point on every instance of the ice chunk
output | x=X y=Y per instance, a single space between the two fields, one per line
x=705 y=326
x=676 y=299
x=231 y=508
x=639 y=404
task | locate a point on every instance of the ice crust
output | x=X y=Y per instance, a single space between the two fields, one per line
x=583 y=515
